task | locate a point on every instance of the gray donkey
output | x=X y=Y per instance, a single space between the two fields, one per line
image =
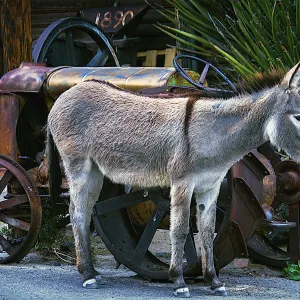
x=185 y=143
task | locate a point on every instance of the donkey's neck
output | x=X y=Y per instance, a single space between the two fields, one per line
x=233 y=127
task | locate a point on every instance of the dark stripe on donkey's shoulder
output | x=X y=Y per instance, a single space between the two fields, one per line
x=187 y=120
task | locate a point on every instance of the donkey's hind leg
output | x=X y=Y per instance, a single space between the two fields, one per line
x=180 y=213
x=86 y=183
x=206 y=217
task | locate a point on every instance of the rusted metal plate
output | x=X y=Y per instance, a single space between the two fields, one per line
x=28 y=78
x=9 y=114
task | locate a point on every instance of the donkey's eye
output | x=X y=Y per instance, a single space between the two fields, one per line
x=297 y=117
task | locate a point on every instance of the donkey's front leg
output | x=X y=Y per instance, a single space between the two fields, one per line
x=84 y=192
x=180 y=213
x=206 y=218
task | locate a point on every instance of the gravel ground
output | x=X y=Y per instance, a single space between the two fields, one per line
x=39 y=277
x=52 y=280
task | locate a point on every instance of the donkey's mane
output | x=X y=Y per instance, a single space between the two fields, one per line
x=260 y=81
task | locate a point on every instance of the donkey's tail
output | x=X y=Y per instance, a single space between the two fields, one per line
x=54 y=171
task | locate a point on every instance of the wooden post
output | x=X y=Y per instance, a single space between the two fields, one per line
x=15 y=34
x=151 y=57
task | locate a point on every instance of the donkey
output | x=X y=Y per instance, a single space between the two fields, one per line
x=185 y=143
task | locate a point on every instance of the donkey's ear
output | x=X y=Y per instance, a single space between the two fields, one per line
x=292 y=78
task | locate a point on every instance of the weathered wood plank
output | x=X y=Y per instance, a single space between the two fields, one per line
x=151 y=58
x=169 y=56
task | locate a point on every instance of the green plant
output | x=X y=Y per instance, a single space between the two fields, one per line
x=243 y=37
x=4 y=230
x=292 y=271
x=50 y=232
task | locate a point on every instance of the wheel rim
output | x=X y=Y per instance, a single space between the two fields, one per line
x=130 y=248
x=66 y=25
x=12 y=174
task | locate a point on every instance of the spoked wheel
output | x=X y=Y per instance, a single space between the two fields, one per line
x=74 y=42
x=20 y=211
x=129 y=245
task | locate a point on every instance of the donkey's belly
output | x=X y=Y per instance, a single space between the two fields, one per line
x=141 y=176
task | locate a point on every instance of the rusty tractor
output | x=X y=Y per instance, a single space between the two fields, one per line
x=253 y=191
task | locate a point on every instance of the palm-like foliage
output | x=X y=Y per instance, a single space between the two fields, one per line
x=243 y=37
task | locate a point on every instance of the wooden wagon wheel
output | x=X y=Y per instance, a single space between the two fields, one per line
x=20 y=208
x=76 y=42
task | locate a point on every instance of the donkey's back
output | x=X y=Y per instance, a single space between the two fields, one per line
x=121 y=132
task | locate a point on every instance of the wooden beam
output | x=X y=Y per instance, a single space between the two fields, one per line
x=15 y=34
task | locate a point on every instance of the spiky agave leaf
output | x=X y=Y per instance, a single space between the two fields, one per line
x=250 y=36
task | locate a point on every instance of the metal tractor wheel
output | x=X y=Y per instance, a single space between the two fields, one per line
x=127 y=223
x=20 y=211
x=75 y=42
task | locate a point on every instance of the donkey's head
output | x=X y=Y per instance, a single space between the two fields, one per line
x=283 y=127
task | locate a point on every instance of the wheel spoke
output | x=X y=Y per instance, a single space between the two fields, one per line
x=6 y=245
x=5 y=180
x=70 y=47
x=15 y=222
x=203 y=74
x=123 y=201
x=13 y=201
x=148 y=235
x=100 y=59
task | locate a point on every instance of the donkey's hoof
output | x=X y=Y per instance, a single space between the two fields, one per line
x=91 y=284
x=182 y=292
x=219 y=291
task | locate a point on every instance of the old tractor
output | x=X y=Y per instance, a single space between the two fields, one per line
x=125 y=218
